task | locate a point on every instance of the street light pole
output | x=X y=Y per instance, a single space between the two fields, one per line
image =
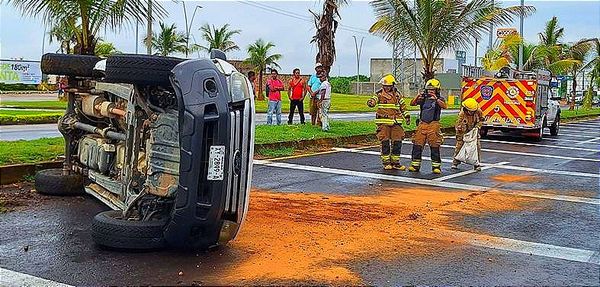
x=521 y=34
x=149 y=29
x=358 y=53
x=137 y=38
x=188 y=26
x=491 y=39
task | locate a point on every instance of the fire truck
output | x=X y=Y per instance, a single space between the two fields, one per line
x=515 y=101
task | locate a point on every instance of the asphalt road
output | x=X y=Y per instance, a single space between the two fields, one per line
x=30 y=132
x=531 y=217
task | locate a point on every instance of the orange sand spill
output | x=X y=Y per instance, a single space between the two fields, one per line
x=514 y=178
x=291 y=237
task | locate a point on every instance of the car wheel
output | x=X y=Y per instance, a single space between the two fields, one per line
x=69 y=65
x=555 y=126
x=53 y=182
x=140 y=69
x=111 y=230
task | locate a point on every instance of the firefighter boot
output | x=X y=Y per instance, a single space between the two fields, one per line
x=436 y=161
x=396 y=150
x=386 y=159
x=417 y=152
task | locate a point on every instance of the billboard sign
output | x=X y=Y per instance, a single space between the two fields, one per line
x=20 y=72
x=504 y=32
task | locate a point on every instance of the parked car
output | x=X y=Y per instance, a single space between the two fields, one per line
x=166 y=143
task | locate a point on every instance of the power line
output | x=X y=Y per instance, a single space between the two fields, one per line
x=300 y=17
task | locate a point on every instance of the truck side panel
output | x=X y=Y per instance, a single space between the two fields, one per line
x=504 y=102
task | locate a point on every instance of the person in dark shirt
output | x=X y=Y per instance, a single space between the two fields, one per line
x=428 y=130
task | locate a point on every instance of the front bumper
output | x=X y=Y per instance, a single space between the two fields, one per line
x=207 y=212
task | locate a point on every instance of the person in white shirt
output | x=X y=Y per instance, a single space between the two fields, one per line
x=324 y=101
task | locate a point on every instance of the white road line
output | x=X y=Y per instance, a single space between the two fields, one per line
x=525 y=247
x=574 y=134
x=11 y=278
x=583 y=128
x=589 y=141
x=582 y=124
x=467 y=172
x=427 y=182
x=561 y=140
x=570 y=132
x=534 y=155
x=540 y=145
x=509 y=167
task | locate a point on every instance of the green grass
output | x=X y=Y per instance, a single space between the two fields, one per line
x=13 y=117
x=566 y=114
x=51 y=105
x=275 y=152
x=16 y=152
x=340 y=103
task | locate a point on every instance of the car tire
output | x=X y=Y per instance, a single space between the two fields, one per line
x=53 y=182
x=555 y=126
x=140 y=69
x=69 y=65
x=110 y=230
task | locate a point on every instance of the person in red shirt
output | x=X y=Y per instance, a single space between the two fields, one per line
x=297 y=86
x=274 y=86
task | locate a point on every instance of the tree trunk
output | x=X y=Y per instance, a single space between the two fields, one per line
x=572 y=105
x=261 y=97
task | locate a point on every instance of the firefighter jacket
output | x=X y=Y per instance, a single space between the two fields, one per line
x=391 y=108
x=466 y=122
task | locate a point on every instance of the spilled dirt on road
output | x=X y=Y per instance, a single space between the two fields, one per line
x=506 y=177
x=298 y=237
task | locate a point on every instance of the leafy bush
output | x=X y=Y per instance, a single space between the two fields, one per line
x=17 y=87
x=341 y=85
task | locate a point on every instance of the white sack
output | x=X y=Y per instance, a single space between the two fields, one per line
x=468 y=153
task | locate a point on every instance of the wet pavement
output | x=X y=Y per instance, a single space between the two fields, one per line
x=551 y=239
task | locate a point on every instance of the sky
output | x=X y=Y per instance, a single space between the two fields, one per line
x=22 y=37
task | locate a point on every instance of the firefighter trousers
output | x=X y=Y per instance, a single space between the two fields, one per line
x=431 y=134
x=391 y=137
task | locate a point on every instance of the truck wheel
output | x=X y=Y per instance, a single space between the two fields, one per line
x=69 y=65
x=53 y=182
x=111 y=230
x=140 y=69
x=555 y=126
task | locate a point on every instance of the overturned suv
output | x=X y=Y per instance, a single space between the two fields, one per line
x=167 y=143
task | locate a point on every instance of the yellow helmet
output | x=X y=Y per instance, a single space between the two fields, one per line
x=433 y=84
x=388 y=80
x=470 y=104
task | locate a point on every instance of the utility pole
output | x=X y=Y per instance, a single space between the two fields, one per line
x=358 y=53
x=137 y=39
x=491 y=39
x=476 y=44
x=44 y=41
x=521 y=34
x=149 y=29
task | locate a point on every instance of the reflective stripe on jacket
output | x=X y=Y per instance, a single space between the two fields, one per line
x=391 y=108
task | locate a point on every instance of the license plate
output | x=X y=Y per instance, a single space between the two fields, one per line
x=216 y=163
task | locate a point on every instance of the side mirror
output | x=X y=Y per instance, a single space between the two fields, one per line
x=217 y=54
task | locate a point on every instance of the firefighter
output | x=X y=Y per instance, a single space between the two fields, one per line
x=469 y=117
x=391 y=112
x=428 y=130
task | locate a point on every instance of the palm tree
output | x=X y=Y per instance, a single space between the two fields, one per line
x=168 y=41
x=105 y=49
x=594 y=65
x=550 y=45
x=259 y=56
x=90 y=16
x=326 y=25
x=217 y=38
x=64 y=34
x=571 y=61
x=435 y=26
